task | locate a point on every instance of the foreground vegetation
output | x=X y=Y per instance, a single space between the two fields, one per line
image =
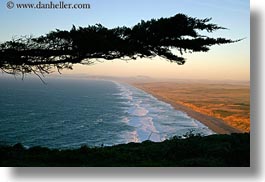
x=214 y=150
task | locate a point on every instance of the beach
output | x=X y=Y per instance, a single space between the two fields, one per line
x=224 y=108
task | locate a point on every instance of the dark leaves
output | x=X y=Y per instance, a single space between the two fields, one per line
x=61 y=48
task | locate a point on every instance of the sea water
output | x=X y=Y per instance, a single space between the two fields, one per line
x=69 y=113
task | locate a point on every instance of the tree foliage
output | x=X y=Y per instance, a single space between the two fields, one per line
x=61 y=49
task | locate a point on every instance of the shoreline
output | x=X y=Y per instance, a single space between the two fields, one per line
x=215 y=124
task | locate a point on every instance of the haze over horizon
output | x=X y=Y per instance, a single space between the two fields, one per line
x=225 y=62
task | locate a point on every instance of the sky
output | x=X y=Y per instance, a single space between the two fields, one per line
x=225 y=62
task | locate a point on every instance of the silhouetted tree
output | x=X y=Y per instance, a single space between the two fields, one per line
x=62 y=49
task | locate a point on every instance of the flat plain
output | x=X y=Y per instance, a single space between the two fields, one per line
x=227 y=102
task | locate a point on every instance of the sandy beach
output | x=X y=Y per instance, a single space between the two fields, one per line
x=165 y=92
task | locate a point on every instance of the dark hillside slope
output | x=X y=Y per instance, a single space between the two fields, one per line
x=214 y=150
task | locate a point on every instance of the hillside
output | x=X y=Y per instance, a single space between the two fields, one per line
x=214 y=150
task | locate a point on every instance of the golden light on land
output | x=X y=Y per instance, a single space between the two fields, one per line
x=228 y=102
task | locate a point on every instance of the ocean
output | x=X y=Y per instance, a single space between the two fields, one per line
x=69 y=113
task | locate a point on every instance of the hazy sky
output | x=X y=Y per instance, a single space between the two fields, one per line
x=221 y=62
